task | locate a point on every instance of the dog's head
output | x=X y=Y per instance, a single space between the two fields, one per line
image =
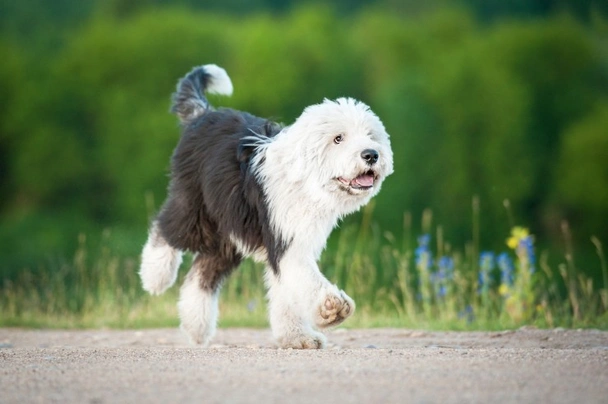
x=339 y=149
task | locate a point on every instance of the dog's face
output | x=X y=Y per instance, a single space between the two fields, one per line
x=329 y=163
x=345 y=149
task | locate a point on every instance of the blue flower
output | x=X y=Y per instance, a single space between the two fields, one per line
x=444 y=273
x=505 y=264
x=446 y=266
x=468 y=314
x=523 y=244
x=486 y=265
x=424 y=240
x=422 y=253
x=486 y=261
x=526 y=245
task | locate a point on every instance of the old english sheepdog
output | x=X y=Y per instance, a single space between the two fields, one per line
x=243 y=186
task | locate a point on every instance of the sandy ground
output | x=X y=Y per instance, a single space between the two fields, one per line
x=359 y=366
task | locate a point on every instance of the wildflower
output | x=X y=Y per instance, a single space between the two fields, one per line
x=467 y=314
x=423 y=264
x=505 y=264
x=445 y=272
x=517 y=234
x=527 y=248
x=422 y=253
x=446 y=266
x=518 y=290
x=486 y=265
x=486 y=260
x=504 y=290
x=523 y=243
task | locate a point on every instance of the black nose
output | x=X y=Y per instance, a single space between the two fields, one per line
x=370 y=156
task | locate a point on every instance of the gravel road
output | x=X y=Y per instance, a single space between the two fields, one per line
x=359 y=366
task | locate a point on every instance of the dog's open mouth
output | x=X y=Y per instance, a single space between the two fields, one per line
x=363 y=181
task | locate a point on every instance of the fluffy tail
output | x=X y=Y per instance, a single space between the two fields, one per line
x=159 y=263
x=189 y=101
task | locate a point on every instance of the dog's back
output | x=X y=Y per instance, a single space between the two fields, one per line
x=213 y=195
x=209 y=169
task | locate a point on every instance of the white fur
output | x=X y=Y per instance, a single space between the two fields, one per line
x=299 y=171
x=302 y=162
x=290 y=323
x=198 y=309
x=159 y=263
x=258 y=254
x=220 y=82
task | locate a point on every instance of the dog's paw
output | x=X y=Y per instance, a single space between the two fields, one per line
x=311 y=340
x=197 y=336
x=334 y=309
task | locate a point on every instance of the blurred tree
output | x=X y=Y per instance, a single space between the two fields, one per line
x=132 y=135
x=581 y=183
x=473 y=109
x=11 y=79
x=42 y=23
x=460 y=120
x=495 y=9
x=557 y=62
x=121 y=9
x=477 y=113
x=307 y=50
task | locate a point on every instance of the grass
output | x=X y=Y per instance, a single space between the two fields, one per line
x=427 y=286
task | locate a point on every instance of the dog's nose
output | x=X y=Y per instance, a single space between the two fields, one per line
x=370 y=156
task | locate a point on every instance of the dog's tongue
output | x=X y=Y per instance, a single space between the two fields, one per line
x=364 y=180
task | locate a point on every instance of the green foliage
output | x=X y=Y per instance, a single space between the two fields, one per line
x=481 y=113
x=10 y=77
x=582 y=175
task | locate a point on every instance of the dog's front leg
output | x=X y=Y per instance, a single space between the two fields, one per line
x=302 y=299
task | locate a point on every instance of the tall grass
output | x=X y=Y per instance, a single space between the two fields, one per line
x=414 y=280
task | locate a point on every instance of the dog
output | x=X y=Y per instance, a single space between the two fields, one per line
x=243 y=186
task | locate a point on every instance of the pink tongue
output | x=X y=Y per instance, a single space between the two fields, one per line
x=364 y=180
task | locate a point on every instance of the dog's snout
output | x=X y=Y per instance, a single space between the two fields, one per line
x=370 y=156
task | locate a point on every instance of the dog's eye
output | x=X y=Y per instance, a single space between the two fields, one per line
x=338 y=139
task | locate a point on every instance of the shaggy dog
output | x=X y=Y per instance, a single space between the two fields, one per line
x=243 y=186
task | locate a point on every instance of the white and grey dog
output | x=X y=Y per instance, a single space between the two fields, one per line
x=245 y=186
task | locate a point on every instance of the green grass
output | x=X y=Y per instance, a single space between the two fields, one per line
x=428 y=285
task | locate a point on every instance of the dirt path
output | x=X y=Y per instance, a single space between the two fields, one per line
x=360 y=366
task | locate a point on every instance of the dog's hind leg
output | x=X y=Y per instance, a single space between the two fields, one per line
x=198 y=302
x=159 y=263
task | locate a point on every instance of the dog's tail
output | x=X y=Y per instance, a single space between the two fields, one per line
x=159 y=263
x=189 y=101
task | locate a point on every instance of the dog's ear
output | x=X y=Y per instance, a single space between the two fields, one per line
x=244 y=151
x=261 y=135
x=272 y=128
